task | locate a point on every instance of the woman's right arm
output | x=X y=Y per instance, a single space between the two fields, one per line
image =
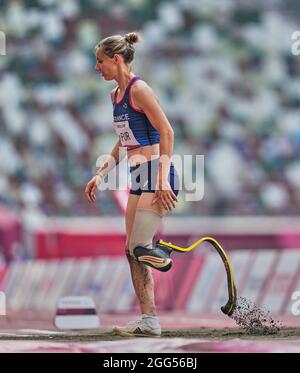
x=115 y=153
x=114 y=158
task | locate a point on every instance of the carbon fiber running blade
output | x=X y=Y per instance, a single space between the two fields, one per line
x=230 y=306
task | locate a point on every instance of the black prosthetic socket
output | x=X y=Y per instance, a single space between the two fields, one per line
x=158 y=257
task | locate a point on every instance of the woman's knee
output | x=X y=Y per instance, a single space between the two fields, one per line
x=128 y=252
x=128 y=255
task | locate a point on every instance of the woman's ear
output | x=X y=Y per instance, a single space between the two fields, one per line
x=117 y=59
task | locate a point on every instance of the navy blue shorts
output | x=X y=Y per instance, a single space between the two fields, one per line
x=144 y=177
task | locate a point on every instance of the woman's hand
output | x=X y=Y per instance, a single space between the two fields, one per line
x=91 y=187
x=165 y=196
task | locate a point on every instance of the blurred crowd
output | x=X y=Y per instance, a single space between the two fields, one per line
x=224 y=74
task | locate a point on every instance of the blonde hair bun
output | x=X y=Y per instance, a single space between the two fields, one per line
x=132 y=37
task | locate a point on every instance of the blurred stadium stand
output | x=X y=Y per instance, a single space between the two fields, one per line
x=230 y=86
x=224 y=74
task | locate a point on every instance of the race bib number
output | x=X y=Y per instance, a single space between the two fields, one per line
x=125 y=134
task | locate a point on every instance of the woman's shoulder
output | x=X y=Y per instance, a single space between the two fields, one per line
x=141 y=88
x=140 y=84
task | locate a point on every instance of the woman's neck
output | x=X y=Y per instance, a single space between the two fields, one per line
x=123 y=79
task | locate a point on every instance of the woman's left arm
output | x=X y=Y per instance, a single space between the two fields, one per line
x=145 y=99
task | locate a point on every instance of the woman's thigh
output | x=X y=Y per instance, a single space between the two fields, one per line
x=145 y=202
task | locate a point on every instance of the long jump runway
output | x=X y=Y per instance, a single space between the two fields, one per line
x=180 y=334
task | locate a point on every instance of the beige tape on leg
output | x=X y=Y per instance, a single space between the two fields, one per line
x=145 y=225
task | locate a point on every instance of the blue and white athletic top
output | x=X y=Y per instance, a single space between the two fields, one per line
x=132 y=125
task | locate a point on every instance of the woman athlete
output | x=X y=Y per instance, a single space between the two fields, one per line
x=146 y=133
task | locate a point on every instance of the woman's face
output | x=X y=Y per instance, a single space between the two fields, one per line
x=106 y=66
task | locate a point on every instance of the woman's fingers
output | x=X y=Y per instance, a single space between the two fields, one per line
x=156 y=198
x=169 y=200
x=93 y=190
x=172 y=203
x=90 y=191
x=173 y=195
x=96 y=182
x=165 y=202
x=166 y=199
x=87 y=192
